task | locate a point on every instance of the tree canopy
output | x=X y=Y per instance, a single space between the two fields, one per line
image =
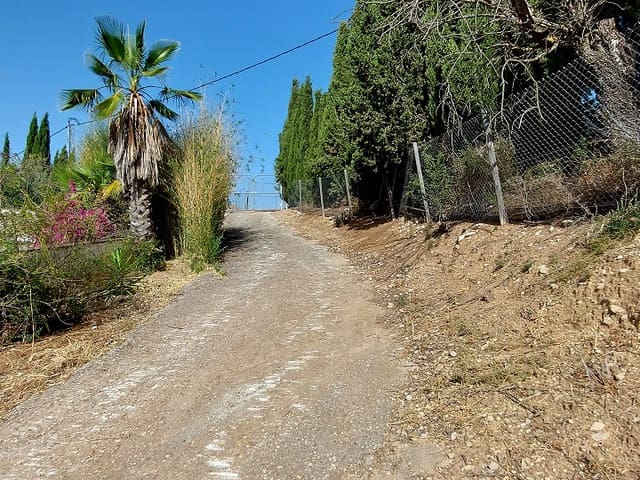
x=412 y=69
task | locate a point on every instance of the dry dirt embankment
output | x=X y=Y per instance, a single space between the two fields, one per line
x=526 y=353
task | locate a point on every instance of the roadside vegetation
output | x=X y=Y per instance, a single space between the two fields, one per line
x=201 y=179
x=79 y=232
x=453 y=60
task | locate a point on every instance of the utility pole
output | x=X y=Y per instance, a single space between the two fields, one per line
x=69 y=134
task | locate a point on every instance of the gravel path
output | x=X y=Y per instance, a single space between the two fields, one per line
x=278 y=370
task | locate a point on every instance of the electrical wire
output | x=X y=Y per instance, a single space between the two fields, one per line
x=266 y=60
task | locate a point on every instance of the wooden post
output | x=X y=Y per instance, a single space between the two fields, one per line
x=423 y=190
x=502 y=211
x=346 y=184
x=321 y=195
x=300 y=193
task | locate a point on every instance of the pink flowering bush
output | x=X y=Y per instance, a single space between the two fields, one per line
x=70 y=221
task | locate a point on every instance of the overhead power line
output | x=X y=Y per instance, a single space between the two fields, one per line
x=229 y=75
x=266 y=60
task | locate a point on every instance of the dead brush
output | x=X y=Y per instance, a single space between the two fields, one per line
x=599 y=376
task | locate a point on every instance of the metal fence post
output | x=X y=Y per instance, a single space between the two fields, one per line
x=346 y=183
x=423 y=190
x=502 y=211
x=281 y=198
x=321 y=195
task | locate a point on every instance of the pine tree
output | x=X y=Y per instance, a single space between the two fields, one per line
x=6 y=151
x=32 y=137
x=43 y=141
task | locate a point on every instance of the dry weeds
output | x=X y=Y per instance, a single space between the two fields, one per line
x=525 y=350
x=27 y=369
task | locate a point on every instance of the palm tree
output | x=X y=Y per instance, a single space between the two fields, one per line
x=137 y=136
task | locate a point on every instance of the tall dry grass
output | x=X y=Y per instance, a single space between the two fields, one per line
x=202 y=179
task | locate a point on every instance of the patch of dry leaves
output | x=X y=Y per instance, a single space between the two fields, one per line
x=525 y=351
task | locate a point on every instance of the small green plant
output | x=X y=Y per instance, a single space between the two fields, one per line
x=463 y=329
x=438 y=180
x=500 y=263
x=526 y=266
x=623 y=222
x=123 y=275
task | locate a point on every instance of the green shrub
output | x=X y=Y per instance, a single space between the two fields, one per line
x=618 y=225
x=438 y=183
x=47 y=289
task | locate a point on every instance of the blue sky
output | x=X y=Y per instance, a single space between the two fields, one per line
x=43 y=47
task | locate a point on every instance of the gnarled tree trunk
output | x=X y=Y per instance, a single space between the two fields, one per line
x=614 y=58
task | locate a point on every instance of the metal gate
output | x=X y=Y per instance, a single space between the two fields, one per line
x=256 y=192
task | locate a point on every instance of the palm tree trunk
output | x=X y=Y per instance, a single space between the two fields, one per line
x=140 y=220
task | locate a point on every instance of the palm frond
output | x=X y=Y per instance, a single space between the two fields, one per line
x=113 y=189
x=107 y=107
x=161 y=109
x=140 y=38
x=134 y=55
x=137 y=141
x=85 y=98
x=101 y=69
x=160 y=52
x=111 y=38
x=180 y=96
x=155 y=72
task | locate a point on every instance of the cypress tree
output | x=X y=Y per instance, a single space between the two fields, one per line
x=291 y=163
x=304 y=116
x=61 y=156
x=44 y=141
x=32 y=136
x=344 y=92
x=316 y=159
x=283 y=161
x=387 y=91
x=6 y=151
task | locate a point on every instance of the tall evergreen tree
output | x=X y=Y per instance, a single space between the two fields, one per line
x=387 y=91
x=61 y=156
x=6 y=151
x=315 y=161
x=32 y=137
x=43 y=141
x=304 y=115
x=284 y=174
x=294 y=139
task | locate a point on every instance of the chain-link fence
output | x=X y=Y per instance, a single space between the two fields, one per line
x=327 y=195
x=570 y=144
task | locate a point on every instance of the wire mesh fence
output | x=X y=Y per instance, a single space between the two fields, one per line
x=570 y=144
x=329 y=194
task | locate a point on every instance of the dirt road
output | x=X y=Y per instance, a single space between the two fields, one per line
x=278 y=370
